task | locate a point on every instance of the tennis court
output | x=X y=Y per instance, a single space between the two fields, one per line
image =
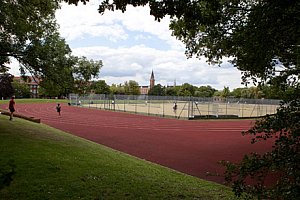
x=187 y=107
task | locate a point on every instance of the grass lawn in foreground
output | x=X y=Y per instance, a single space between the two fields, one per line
x=51 y=164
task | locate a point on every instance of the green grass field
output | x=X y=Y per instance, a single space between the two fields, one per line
x=51 y=164
x=36 y=101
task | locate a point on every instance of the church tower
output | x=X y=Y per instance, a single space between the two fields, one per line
x=152 y=80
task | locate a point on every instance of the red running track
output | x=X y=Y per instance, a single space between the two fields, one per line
x=191 y=147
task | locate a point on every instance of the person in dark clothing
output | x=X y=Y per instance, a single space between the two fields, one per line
x=11 y=107
x=58 y=108
x=175 y=107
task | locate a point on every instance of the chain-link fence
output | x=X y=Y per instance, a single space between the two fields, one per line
x=179 y=107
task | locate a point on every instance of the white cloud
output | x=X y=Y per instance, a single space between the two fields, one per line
x=137 y=62
x=122 y=42
x=14 y=67
x=84 y=20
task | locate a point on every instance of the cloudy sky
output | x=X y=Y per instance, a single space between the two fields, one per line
x=132 y=44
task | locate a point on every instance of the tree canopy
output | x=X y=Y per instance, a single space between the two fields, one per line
x=6 y=89
x=100 y=87
x=84 y=71
x=131 y=87
x=29 y=34
x=23 y=24
x=157 y=90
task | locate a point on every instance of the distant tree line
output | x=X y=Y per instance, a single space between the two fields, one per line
x=265 y=91
x=83 y=86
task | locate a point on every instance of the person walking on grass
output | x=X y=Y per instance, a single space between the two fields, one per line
x=11 y=107
x=58 y=108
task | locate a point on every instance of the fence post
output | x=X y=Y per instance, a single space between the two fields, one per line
x=226 y=106
x=242 y=110
x=208 y=110
x=124 y=105
x=135 y=100
x=192 y=107
x=148 y=102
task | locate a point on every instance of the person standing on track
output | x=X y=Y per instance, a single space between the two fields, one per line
x=58 y=108
x=11 y=107
x=175 y=107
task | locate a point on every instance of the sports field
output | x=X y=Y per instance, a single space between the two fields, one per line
x=186 y=109
x=192 y=147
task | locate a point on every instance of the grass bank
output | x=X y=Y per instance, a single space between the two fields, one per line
x=51 y=164
x=36 y=101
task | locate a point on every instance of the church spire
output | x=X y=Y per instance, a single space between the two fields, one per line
x=152 y=80
x=152 y=75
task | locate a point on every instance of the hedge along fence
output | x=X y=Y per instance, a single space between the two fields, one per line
x=187 y=107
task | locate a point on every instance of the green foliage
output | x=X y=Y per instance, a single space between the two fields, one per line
x=22 y=24
x=131 y=88
x=29 y=33
x=87 y=69
x=6 y=89
x=205 y=91
x=21 y=90
x=84 y=71
x=157 y=90
x=250 y=93
x=282 y=163
x=186 y=90
x=50 y=59
x=237 y=92
x=172 y=91
x=49 y=88
x=225 y=92
x=100 y=87
x=117 y=89
x=217 y=94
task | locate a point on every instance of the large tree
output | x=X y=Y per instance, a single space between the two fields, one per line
x=21 y=24
x=100 y=87
x=157 y=90
x=51 y=61
x=6 y=89
x=21 y=90
x=117 y=89
x=131 y=87
x=186 y=89
x=205 y=91
x=84 y=71
x=29 y=34
x=262 y=39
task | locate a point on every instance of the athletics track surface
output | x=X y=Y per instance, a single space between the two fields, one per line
x=191 y=147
